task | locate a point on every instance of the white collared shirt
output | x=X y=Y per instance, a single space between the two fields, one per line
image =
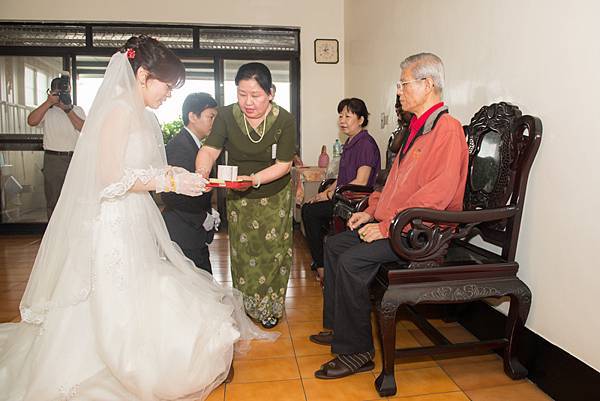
x=59 y=133
x=194 y=137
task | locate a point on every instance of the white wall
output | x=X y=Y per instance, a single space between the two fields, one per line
x=322 y=85
x=544 y=57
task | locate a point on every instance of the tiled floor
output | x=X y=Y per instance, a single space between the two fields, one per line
x=283 y=370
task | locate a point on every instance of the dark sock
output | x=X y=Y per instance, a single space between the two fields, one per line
x=356 y=361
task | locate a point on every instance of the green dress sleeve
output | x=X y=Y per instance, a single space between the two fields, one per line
x=218 y=134
x=286 y=146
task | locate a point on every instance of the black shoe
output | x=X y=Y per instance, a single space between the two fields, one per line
x=269 y=322
x=313 y=266
x=323 y=338
x=336 y=369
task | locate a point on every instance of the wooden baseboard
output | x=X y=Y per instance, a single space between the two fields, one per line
x=555 y=371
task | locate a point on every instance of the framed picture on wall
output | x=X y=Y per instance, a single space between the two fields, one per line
x=327 y=51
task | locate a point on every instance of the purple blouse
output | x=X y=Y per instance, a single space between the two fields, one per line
x=360 y=150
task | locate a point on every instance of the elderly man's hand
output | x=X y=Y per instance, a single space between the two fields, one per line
x=358 y=219
x=370 y=232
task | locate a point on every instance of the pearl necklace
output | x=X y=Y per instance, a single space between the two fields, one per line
x=259 y=134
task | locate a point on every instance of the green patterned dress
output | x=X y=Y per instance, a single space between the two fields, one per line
x=260 y=220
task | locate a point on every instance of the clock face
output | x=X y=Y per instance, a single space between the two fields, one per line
x=326 y=51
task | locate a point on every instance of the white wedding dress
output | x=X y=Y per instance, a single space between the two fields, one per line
x=113 y=310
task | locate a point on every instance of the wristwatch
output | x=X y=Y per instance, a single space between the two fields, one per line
x=68 y=109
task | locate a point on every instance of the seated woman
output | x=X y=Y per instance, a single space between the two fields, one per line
x=359 y=164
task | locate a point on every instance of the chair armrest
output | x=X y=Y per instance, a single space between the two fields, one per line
x=430 y=231
x=354 y=188
x=352 y=192
x=325 y=184
x=349 y=199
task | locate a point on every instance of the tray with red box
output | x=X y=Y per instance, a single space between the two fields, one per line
x=217 y=183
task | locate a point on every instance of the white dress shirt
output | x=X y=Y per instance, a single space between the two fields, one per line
x=59 y=133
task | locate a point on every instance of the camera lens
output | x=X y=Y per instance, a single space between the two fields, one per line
x=65 y=98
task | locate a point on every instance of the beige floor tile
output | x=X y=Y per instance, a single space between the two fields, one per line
x=351 y=388
x=302 y=302
x=423 y=381
x=305 y=329
x=405 y=363
x=262 y=370
x=304 y=347
x=441 y=323
x=304 y=292
x=218 y=394
x=466 y=358
x=8 y=316
x=304 y=274
x=288 y=390
x=455 y=396
x=407 y=324
x=470 y=376
x=303 y=314
x=309 y=364
x=405 y=339
x=299 y=282
x=266 y=349
x=456 y=334
x=282 y=328
x=518 y=392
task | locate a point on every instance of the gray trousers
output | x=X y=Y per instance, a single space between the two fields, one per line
x=55 y=170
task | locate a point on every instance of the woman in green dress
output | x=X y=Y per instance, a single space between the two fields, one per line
x=260 y=138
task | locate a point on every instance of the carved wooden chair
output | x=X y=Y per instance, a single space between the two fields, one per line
x=441 y=265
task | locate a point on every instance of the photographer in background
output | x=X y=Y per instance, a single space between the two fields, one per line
x=62 y=121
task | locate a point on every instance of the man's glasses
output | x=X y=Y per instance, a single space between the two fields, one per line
x=401 y=84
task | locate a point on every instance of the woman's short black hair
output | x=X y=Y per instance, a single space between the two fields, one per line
x=196 y=103
x=257 y=71
x=156 y=58
x=355 y=106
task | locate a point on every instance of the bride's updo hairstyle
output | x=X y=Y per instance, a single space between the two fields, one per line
x=156 y=58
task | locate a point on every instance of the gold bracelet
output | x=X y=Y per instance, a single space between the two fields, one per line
x=173 y=186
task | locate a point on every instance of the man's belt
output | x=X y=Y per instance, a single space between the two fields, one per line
x=56 y=153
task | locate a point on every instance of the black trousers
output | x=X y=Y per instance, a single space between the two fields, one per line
x=316 y=218
x=200 y=257
x=350 y=267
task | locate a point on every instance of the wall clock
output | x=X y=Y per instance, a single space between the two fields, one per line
x=327 y=51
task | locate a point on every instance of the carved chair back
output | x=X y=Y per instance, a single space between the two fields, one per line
x=501 y=152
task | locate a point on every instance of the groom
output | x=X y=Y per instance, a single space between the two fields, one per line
x=191 y=220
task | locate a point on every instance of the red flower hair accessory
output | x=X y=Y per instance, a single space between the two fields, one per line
x=130 y=53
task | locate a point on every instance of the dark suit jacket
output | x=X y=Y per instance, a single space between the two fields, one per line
x=183 y=214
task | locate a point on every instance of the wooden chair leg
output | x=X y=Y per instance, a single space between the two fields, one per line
x=385 y=384
x=520 y=302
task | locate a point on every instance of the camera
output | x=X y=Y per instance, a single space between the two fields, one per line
x=64 y=94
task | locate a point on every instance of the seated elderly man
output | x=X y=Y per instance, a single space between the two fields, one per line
x=429 y=171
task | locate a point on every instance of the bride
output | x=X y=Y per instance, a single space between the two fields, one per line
x=113 y=311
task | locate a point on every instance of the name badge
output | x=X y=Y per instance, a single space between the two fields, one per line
x=274 y=151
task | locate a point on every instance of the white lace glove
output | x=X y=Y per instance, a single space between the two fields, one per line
x=181 y=182
x=212 y=221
